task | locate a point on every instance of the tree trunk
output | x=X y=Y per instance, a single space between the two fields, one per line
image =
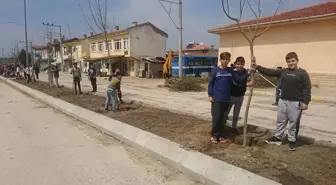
x=108 y=54
x=247 y=109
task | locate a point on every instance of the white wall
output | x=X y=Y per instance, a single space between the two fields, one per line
x=144 y=41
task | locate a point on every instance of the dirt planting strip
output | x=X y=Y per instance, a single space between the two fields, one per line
x=309 y=165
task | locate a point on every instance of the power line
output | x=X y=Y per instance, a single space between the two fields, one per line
x=168 y=12
x=179 y=27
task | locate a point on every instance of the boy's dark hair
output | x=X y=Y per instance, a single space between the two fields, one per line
x=225 y=56
x=292 y=55
x=240 y=60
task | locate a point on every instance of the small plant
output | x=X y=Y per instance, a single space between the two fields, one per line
x=184 y=84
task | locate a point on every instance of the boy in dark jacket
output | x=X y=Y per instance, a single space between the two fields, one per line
x=237 y=92
x=294 y=98
x=219 y=92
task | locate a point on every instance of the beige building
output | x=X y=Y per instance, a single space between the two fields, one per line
x=125 y=48
x=76 y=51
x=310 y=32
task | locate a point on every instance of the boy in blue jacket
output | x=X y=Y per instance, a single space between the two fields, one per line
x=219 y=92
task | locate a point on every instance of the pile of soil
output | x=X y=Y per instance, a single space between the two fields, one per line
x=309 y=165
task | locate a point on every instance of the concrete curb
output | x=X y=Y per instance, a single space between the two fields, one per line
x=196 y=165
x=314 y=98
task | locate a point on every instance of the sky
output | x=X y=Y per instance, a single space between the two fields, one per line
x=198 y=17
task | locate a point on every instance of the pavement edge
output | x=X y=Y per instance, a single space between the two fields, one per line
x=196 y=165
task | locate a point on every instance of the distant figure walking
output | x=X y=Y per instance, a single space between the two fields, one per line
x=32 y=73
x=56 y=76
x=77 y=78
x=93 y=78
x=37 y=71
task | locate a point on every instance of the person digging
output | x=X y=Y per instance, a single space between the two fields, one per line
x=112 y=92
x=117 y=73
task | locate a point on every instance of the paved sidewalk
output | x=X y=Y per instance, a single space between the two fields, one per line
x=317 y=122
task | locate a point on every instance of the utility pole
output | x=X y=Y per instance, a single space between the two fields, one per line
x=26 y=33
x=32 y=53
x=180 y=39
x=179 y=27
x=60 y=41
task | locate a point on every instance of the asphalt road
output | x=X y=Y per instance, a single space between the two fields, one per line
x=41 y=146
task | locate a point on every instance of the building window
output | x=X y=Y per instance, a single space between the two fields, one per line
x=100 y=46
x=117 y=44
x=93 y=47
x=108 y=45
x=126 y=43
x=74 y=49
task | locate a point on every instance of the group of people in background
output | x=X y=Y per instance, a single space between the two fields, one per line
x=227 y=87
x=30 y=73
x=7 y=70
x=113 y=92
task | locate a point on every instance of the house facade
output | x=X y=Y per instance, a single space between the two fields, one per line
x=123 y=49
x=310 y=32
x=76 y=51
x=41 y=54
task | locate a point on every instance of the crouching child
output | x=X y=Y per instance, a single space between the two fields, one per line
x=219 y=92
x=294 y=98
x=112 y=93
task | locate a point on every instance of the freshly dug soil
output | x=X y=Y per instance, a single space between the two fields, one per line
x=309 y=165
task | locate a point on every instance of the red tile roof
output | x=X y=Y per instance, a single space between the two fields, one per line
x=315 y=11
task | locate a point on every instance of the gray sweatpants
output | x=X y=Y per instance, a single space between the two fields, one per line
x=236 y=103
x=289 y=112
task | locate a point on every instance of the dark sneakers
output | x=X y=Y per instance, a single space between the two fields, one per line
x=273 y=140
x=292 y=146
x=235 y=131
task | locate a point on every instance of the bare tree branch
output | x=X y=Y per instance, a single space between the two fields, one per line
x=242 y=5
x=237 y=20
x=89 y=24
x=93 y=15
x=270 y=22
x=257 y=16
x=227 y=12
